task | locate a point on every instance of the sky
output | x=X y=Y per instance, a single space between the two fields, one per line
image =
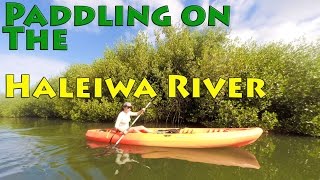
x=260 y=20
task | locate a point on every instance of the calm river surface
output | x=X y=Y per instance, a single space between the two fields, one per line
x=53 y=149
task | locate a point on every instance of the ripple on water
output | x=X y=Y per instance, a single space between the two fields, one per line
x=16 y=152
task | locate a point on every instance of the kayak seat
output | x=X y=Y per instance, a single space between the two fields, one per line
x=169 y=131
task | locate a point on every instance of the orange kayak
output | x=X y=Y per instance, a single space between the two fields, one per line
x=181 y=138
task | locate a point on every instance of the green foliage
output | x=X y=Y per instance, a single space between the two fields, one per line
x=231 y=115
x=95 y=111
x=290 y=72
x=31 y=107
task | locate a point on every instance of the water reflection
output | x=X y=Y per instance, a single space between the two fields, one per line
x=123 y=158
x=219 y=156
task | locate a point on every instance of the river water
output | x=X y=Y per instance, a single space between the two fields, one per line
x=55 y=149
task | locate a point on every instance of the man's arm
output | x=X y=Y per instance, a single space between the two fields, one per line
x=138 y=113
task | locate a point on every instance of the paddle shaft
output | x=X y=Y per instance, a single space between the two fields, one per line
x=131 y=125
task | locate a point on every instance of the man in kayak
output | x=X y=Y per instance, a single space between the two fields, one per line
x=122 y=122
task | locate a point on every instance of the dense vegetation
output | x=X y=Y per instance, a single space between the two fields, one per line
x=291 y=74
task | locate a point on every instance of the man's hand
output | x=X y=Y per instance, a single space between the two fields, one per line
x=125 y=132
x=142 y=110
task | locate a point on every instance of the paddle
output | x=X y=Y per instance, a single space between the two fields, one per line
x=131 y=125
